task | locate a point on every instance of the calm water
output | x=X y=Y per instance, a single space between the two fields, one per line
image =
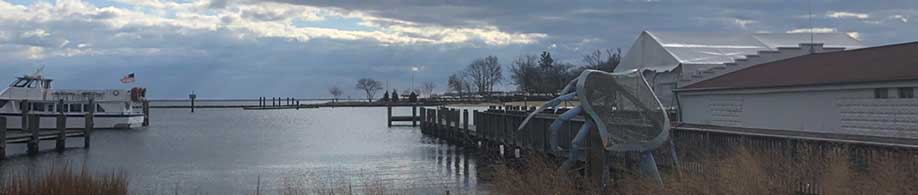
x=225 y=151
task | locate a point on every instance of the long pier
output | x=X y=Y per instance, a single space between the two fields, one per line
x=493 y=132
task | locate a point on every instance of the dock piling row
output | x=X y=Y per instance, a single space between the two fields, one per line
x=31 y=133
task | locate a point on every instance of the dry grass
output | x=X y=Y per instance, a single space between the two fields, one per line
x=62 y=180
x=739 y=171
x=368 y=184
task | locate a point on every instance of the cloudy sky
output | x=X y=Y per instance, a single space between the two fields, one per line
x=247 y=49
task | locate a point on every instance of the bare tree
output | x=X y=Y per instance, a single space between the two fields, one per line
x=606 y=60
x=525 y=74
x=456 y=83
x=335 y=92
x=484 y=73
x=427 y=88
x=369 y=86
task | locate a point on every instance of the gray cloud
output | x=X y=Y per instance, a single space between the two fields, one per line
x=217 y=59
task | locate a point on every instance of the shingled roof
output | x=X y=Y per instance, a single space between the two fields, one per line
x=883 y=63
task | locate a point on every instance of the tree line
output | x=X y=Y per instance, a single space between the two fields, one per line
x=531 y=74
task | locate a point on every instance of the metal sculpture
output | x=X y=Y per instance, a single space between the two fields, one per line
x=621 y=106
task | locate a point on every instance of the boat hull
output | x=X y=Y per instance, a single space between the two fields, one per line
x=78 y=121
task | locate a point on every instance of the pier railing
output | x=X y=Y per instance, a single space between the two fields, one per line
x=494 y=132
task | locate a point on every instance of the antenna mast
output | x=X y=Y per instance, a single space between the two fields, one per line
x=812 y=28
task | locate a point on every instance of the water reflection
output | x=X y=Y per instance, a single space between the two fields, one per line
x=227 y=151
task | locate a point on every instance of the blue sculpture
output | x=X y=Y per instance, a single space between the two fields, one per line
x=624 y=110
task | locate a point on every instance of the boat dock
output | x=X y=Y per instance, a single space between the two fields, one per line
x=31 y=134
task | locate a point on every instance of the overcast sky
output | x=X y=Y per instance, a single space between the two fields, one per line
x=247 y=49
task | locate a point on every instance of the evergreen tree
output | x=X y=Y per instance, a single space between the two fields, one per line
x=385 y=97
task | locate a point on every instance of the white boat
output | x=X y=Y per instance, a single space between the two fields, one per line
x=115 y=109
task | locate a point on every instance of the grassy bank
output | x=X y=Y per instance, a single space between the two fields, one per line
x=742 y=171
x=62 y=180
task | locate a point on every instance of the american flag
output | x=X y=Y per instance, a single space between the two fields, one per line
x=129 y=78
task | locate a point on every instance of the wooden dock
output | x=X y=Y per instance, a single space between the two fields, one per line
x=493 y=133
x=414 y=118
x=31 y=133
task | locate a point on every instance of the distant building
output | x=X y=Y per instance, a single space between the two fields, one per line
x=685 y=58
x=867 y=92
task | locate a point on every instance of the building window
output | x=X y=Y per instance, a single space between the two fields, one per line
x=881 y=93
x=906 y=92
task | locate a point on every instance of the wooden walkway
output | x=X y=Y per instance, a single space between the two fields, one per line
x=493 y=132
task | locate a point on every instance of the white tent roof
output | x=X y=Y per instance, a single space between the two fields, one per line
x=664 y=51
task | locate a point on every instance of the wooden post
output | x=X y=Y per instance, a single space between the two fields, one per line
x=24 y=108
x=596 y=165
x=61 y=128
x=192 y=96
x=465 y=122
x=33 y=128
x=87 y=132
x=146 y=113
x=389 y=114
x=414 y=115
x=2 y=138
x=422 y=115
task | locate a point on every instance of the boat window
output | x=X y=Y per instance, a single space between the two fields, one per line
x=99 y=108
x=76 y=108
x=38 y=107
x=3 y=103
x=21 y=83
x=33 y=84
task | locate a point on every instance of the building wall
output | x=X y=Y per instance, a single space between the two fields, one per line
x=835 y=109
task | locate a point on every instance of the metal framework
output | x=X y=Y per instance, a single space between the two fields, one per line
x=621 y=107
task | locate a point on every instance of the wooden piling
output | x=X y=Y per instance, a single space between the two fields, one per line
x=192 y=97
x=24 y=109
x=595 y=159
x=3 y=136
x=146 y=113
x=389 y=115
x=61 y=141
x=87 y=131
x=32 y=123
x=465 y=122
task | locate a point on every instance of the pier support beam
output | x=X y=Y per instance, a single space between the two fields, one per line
x=389 y=115
x=87 y=131
x=32 y=124
x=146 y=113
x=61 y=141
